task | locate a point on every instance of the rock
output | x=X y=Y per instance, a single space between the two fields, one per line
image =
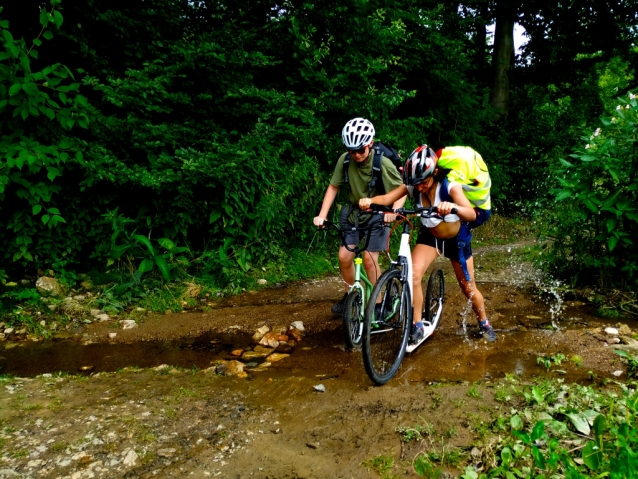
x=298 y=325
x=79 y=297
x=87 y=368
x=262 y=281
x=614 y=340
x=50 y=287
x=52 y=307
x=248 y=355
x=237 y=352
x=88 y=285
x=130 y=457
x=8 y=331
x=274 y=357
x=128 y=324
x=260 y=333
x=283 y=338
x=252 y=365
x=611 y=331
x=242 y=375
x=476 y=452
x=95 y=312
x=112 y=335
x=295 y=333
x=617 y=373
x=168 y=452
x=106 y=317
x=70 y=305
x=161 y=367
x=283 y=348
x=320 y=387
x=230 y=368
x=270 y=339
x=624 y=329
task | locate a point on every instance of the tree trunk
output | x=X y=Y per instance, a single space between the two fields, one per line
x=502 y=56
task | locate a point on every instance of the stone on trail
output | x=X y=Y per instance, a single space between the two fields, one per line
x=270 y=339
x=50 y=287
x=320 y=387
x=295 y=333
x=237 y=352
x=102 y=317
x=274 y=357
x=283 y=348
x=130 y=457
x=128 y=324
x=161 y=367
x=262 y=281
x=230 y=368
x=260 y=332
x=112 y=335
x=95 y=312
x=617 y=373
x=611 y=331
x=248 y=355
x=297 y=325
x=168 y=452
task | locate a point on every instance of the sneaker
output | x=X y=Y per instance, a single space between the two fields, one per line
x=487 y=330
x=338 y=307
x=418 y=331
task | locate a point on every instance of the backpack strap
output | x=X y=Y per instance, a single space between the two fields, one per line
x=444 y=194
x=376 y=168
x=346 y=167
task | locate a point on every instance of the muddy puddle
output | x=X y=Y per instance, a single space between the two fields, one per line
x=527 y=328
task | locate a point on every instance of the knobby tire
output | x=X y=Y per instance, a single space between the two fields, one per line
x=385 y=338
x=353 y=320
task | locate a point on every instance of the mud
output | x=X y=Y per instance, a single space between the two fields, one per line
x=115 y=420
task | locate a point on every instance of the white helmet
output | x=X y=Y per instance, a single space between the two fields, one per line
x=357 y=133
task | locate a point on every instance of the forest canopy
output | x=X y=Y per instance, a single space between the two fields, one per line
x=212 y=127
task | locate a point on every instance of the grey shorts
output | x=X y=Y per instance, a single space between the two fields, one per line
x=379 y=233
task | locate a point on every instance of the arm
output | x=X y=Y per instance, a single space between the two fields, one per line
x=329 y=197
x=461 y=203
x=393 y=197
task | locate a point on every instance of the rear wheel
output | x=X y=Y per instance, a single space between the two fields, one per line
x=353 y=319
x=387 y=327
x=434 y=298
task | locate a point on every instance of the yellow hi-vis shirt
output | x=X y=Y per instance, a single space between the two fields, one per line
x=468 y=169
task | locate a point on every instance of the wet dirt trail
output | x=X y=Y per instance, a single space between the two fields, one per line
x=180 y=421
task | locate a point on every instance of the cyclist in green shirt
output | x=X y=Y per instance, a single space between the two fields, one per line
x=358 y=138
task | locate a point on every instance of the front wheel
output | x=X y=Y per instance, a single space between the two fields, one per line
x=387 y=326
x=434 y=299
x=353 y=319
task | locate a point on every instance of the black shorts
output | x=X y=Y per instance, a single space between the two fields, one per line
x=447 y=247
x=378 y=237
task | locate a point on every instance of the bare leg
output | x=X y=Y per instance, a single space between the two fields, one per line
x=347 y=266
x=469 y=288
x=422 y=258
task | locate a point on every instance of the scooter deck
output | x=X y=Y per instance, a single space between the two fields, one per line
x=429 y=330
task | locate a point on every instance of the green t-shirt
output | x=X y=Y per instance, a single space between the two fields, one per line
x=360 y=175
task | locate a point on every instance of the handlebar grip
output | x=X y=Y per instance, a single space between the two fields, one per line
x=454 y=211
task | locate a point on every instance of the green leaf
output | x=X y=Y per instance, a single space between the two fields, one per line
x=166 y=243
x=538 y=395
x=146 y=242
x=146 y=265
x=579 y=422
x=539 y=459
x=44 y=18
x=214 y=216
x=538 y=431
x=45 y=219
x=611 y=224
x=588 y=158
x=15 y=88
x=163 y=267
x=613 y=241
x=36 y=209
x=516 y=422
x=53 y=211
x=7 y=36
x=592 y=455
x=48 y=35
x=57 y=17
x=117 y=251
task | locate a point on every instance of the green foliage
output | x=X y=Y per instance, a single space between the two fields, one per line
x=596 y=218
x=38 y=109
x=632 y=363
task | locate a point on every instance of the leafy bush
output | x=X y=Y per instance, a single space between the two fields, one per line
x=595 y=221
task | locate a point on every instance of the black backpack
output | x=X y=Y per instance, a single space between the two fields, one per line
x=380 y=150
